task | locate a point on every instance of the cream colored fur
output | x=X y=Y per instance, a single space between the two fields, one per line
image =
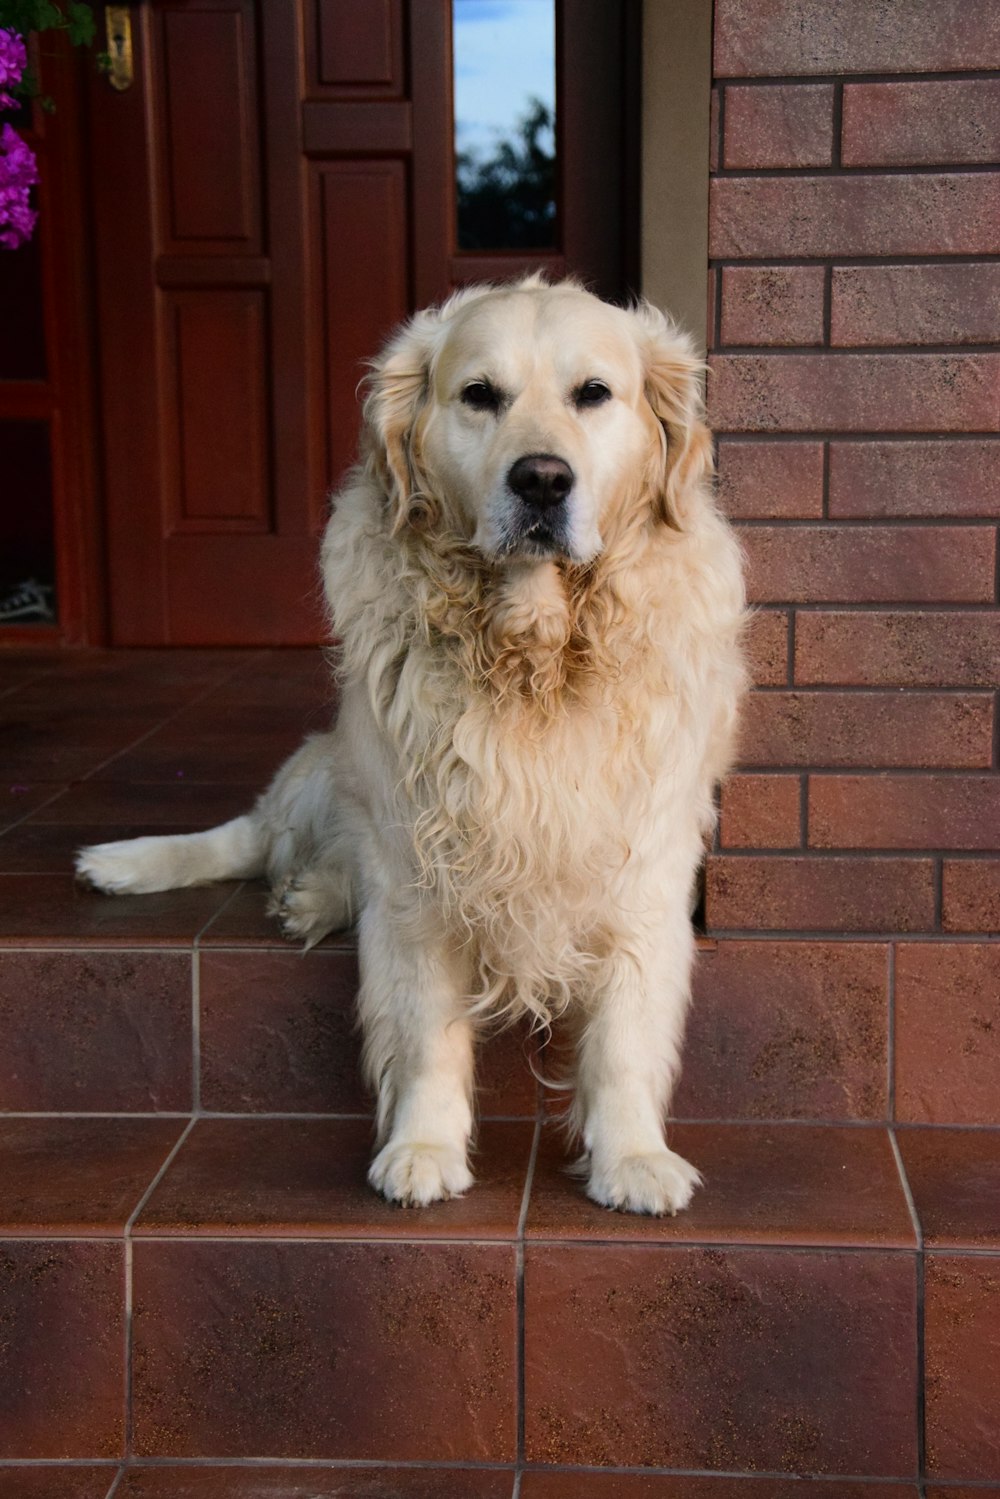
x=515 y=799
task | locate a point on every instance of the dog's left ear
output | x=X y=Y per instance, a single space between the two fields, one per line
x=398 y=387
x=674 y=392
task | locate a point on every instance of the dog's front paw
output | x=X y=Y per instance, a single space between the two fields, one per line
x=415 y=1174
x=660 y=1182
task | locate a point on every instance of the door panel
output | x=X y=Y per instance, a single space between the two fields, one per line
x=273 y=194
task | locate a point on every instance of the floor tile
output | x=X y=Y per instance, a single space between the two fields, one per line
x=279 y=1031
x=738 y=1360
x=389 y=1352
x=78 y=1176
x=306 y=1179
x=60 y=745
x=962 y=1339
x=316 y=1482
x=95 y=1031
x=642 y=1486
x=56 y=1482
x=55 y=910
x=62 y=1353
x=948 y=1032
x=954 y=1175
x=283 y=678
x=153 y=805
x=794 y=1030
x=777 y=1184
x=217 y=742
x=20 y=798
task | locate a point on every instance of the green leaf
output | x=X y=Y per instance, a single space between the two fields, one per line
x=80 y=24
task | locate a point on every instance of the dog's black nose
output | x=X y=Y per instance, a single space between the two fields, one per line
x=541 y=480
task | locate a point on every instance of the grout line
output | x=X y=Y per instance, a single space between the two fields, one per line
x=115 y=1483
x=515 y=1492
x=920 y=1327
x=519 y=1282
x=196 y=942
x=945 y=75
x=890 y=1057
x=129 y=1226
x=196 y=1029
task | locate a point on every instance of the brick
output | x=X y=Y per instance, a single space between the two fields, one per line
x=760 y=811
x=971 y=897
x=785 y=1029
x=948 y=1032
x=951 y=122
x=855 y=392
x=766 y=647
x=780 y=125
x=868 y=728
x=772 y=304
x=904 y=811
x=788 y=894
x=869 y=564
x=764 y=37
x=954 y=213
x=915 y=304
x=885 y=649
x=771 y=480
x=944 y=477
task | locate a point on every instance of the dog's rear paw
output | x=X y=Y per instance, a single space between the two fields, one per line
x=116 y=868
x=415 y=1174
x=660 y=1182
x=309 y=907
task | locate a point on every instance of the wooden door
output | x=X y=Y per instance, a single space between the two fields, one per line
x=272 y=195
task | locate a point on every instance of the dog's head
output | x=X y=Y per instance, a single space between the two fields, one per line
x=525 y=419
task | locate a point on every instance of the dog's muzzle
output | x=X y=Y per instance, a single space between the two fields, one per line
x=541 y=484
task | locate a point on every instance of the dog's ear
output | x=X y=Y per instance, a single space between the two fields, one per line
x=674 y=392
x=397 y=390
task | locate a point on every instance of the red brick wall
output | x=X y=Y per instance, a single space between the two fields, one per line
x=854 y=307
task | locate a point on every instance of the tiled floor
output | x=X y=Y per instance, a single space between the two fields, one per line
x=201 y=1299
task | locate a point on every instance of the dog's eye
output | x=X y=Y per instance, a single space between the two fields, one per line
x=481 y=396
x=592 y=393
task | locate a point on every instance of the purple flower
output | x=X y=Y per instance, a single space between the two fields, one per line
x=13 y=61
x=18 y=172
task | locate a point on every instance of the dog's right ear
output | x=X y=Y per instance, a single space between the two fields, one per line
x=398 y=387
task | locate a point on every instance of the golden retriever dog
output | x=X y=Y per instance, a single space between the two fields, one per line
x=538 y=610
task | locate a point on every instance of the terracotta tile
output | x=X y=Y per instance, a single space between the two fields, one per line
x=948 y=1032
x=281 y=679
x=787 y=1029
x=279 y=1034
x=962 y=1342
x=38 y=910
x=51 y=848
x=306 y=1179
x=152 y=805
x=577 y=1485
x=217 y=742
x=954 y=1175
x=244 y=922
x=770 y=1360
x=54 y=1482
x=783 y=1184
x=49 y=744
x=316 y=1482
x=95 y=1031
x=62 y=1355
x=390 y=1352
x=19 y=798
x=78 y=1175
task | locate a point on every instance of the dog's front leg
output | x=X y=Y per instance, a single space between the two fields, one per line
x=629 y=1056
x=418 y=1053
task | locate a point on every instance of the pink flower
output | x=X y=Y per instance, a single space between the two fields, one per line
x=18 y=173
x=13 y=61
